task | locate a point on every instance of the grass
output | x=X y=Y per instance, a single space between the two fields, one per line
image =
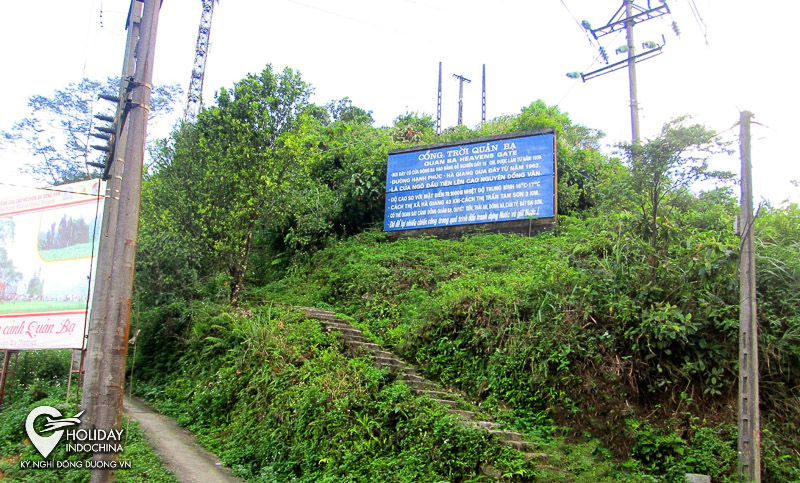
x=39 y=306
x=74 y=251
x=15 y=446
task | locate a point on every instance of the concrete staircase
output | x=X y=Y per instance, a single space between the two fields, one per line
x=454 y=403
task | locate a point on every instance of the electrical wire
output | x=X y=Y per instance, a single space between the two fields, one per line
x=700 y=22
x=51 y=189
x=595 y=61
x=91 y=263
x=580 y=26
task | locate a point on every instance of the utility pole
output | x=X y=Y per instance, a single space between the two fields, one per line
x=461 y=80
x=626 y=17
x=439 y=104
x=632 y=71
x=749 y=418
x=483 y=96
x=194 y=98
x=108 y=333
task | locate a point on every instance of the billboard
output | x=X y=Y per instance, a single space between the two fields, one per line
x=48 y=238
x=501 y=178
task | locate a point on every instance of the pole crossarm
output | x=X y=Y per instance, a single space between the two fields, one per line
x=622 y=64
x=619 y=19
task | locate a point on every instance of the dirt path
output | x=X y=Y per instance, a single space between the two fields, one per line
x=184 y=458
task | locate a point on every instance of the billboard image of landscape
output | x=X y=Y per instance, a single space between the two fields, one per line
x=503 y=178
x=47 y=241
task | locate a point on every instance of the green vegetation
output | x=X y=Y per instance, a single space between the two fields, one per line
x=56 y=133
x=41 y=382
x=610 y=342
x=39 y=306
x=568 y=330
x=278 y=400
x=75 y=251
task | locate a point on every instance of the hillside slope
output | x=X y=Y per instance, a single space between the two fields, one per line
x=563 y=335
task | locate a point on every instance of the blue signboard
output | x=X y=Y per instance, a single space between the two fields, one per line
x=496 y=180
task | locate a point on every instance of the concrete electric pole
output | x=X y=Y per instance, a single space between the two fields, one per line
x=632 y=72
x=749 y=418
x=626 y=17
x=461 y=80
x=107 y=344
x=439 y=103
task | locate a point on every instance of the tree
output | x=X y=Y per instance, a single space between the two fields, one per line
x=36 y=285
x=219 y=178
x=344 y=110
x=57 y=130
x=665 y=167
x=8 y=272
x=414 y=128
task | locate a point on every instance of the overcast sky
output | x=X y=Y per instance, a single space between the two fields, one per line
x=732 y=55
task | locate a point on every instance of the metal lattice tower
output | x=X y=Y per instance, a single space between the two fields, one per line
x=195 y=95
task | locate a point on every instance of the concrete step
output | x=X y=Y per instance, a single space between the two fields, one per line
x=367 y=345
x=480 y=424
x=389 y=361
x=467 y=416
x=446 y=402
x=435 y=394
x=520 y=445
x=318 y=313
x=344 y=331
x=347 y=330
x=537 y=456
x=337 y=325
x=506 y=435
x=421 y=385
x=382 y=353
x=353 y=338
x=413 y=377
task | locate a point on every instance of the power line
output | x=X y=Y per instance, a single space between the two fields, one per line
x=626 y=17
x=595 y=61
x=700 y=22
x=580 y=26
x=52 y=189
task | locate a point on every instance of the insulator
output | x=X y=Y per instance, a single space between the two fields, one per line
x=109 y=97
x=98 y=147
x=103 y=117
x=105 y=137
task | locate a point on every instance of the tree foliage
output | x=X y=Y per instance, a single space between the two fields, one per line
x=57 y=131
x=663 y=169
x=622 y=323
x=8 y=272
x=235 y=168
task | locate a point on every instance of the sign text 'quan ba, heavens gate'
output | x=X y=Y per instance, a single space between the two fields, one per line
x=486 y=180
